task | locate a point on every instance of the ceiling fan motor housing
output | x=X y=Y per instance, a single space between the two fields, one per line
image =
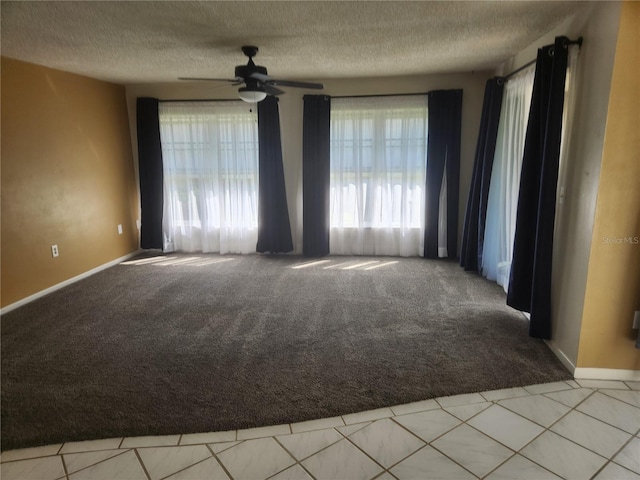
x=244 y=71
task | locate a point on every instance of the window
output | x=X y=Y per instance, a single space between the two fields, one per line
x=378 y=175
x=210 y=166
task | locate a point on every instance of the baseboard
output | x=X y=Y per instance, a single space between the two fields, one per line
x=606 y=374
x=581 y=373
x=58 y=286
x=568 y=364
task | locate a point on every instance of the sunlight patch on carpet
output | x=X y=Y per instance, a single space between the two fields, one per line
x=310 y=264
x=162 y=261
x=385 y=264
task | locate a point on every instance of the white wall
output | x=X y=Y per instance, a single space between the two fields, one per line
x=291 y=120
x=598 y=25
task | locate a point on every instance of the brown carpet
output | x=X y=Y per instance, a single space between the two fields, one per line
x=164 y=349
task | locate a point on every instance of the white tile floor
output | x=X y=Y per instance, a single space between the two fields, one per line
x=570 y=430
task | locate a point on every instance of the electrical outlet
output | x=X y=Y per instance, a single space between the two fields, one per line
x=119 y=229
x=54 y=250
x=138 y=224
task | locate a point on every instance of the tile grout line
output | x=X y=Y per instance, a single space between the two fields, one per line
x=308 y=456
x=237 y=442
x=94 y=464
x=548 y=429
x=500 y=465
x=472 y=416
x=64 y=467
x=90 y=451
x=603 y=421
x=387 y=470
x=542 y=395
x=617 y=465
x=353 y=424
x=188 y=466
x=344 y=437
x=574 y=408
x=297 y=462
x=144 y=467
x=545 y=428
x=610 y=459
x=571 y=387
x=605 y=388
x=587 y=448
x=29 y=458
x=514 y=452
x=369 y=456
x=430 y=444
x=224 y=469
x=517 y=453
x=498 y=441
x=451 y=459
x=623 y=401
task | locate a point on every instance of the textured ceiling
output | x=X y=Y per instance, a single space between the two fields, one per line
x=141 y=42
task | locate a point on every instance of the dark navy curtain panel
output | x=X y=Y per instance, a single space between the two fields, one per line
x=274 y=229
x=150 y=172
x=476 y=213
x=316 y=167
x=530 y=280
x=443 y=154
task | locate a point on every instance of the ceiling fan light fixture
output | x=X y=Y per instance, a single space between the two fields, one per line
x=251 y=94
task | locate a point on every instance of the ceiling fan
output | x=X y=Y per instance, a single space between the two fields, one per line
x=257 y=83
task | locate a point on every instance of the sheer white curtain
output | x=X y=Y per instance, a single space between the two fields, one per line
x=378 y=168
x=505 y=177
x=210 y=165
x=443 y=252
x=567 y=126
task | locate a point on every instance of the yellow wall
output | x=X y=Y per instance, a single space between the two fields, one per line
x=67 y=177
x=613 y=281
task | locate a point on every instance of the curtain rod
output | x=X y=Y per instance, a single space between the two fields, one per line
x=518 y=70
x=570 y=42
x=203 y=100
x=382 y=95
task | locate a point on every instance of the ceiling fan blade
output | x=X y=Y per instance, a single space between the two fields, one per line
x=291 y=83
x=271 y=90
x=261 y=77
x=267 y=80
